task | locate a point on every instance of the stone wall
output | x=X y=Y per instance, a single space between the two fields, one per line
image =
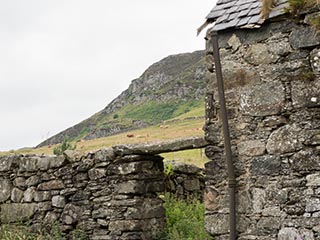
x=272 y=82
x=111 y=193
x=185 y=181
x=106 y=195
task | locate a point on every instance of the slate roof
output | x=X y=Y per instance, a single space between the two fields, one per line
x=241 y=13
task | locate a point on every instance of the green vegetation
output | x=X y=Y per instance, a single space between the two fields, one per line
x=154 y=112
x=168 y=168
x=185 y=220
x=23 y=232
x=315 y=23
x=297 y=6
x=65 y=145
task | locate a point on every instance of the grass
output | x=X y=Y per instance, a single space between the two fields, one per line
x=185 y=220
x=23 y=232
x=179 y=128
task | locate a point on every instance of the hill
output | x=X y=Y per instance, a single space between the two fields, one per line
x=168 y=89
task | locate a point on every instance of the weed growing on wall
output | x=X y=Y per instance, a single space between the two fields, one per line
x=65 y=145
x=22 y=232
x=185 y=220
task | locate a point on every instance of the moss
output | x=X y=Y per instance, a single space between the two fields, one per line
x=298 y=6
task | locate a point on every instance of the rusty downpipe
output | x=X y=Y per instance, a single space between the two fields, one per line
x=227 y=142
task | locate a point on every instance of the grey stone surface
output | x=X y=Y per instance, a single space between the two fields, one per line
x=251 y=148
x=313 y=179
x=161 y=147
x=306 y=93
x=260 y=54
x=304 y=37
x=263 y=99
x=266 y=165
x=16 y=195
x=5 y=190
x=58 y=201
x=16 y=212
x=288 y=138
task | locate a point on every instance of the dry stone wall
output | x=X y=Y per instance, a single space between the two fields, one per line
x=111 y=193
x=185 y=181
x=103 y=194
x=272 y=82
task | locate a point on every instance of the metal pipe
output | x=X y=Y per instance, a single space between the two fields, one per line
x=227 y=142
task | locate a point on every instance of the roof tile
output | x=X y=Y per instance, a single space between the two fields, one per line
x=223 y=18
x=245 y=6
x=244 y=12
x=237 y=13
x=232 y=9
x=254 y=11
x=243 y=21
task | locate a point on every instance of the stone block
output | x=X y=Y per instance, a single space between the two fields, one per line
x=5 y=190
x=306 y=93
x=104 y=155
x=304 y=37
x=251 y=148
x=191 y=184
x=262 y=100
x=125 y=225
x=286 y=139
x=259 y=54
x=217 y=224
x=17 y=212
x=51 y=185
x=306 y=160
x=32 y=181
x=7 y=162
x=265 y=165
x=131 y=187
x=28 y=195
x=71 y=213
x=57 y=161
x=20 y=182
x=258 y=199
x=268 y=225
x=58 y=201
x=41 y=196
x=313 y=205
x=313 y=179
x=97 y=173
x=16 y=195
x=131 y=168
x=290 y=233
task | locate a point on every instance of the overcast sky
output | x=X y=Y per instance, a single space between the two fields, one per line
x=64 y=60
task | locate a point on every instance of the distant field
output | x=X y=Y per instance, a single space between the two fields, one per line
x=174 y=129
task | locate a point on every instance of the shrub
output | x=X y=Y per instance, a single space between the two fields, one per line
x=65 y=145
x=185 y=220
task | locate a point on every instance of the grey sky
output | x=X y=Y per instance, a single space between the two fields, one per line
x=63 y=60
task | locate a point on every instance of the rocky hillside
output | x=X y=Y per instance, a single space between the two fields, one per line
x=167 y=89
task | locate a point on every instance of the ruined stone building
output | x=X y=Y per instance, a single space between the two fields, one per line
x=271 y=72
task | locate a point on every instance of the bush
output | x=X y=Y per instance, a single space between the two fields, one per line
x=185 y=220
x=65 y=145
